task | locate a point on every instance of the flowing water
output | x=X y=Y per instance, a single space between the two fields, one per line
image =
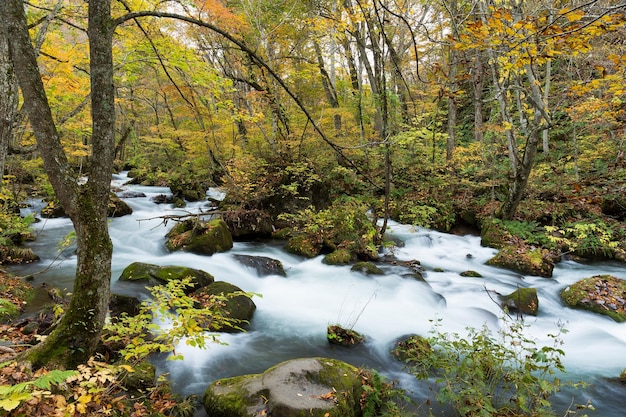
x=293 y=312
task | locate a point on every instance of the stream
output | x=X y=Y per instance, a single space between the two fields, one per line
x=293 y=312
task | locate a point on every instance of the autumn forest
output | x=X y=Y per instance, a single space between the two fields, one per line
x=321 y=121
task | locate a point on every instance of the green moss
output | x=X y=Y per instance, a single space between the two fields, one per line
x=205 y=238
x=338 y=257
x=367 y=268
x=8 y=311
x=471 y=274
x=412 y=350
x=523 y=299
x=303 y=245
x=602 y=294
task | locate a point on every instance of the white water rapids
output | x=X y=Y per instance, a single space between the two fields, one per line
x=294 y=311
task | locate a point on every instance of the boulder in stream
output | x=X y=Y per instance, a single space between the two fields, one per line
x=156 y=274
x=238 y=307
x=524 y=259
x=523 y=300
x=263 y=265
x=203 y=238
x=311 y=387
x=602 y=294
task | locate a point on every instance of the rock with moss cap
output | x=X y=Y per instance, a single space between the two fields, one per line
x=602 y=294
x=203 y=238
x=524 y=259
x=238 y=308
x=367 y=268
x=307 y=387
x=412 y=349
x=156 y=275
x=523 y=300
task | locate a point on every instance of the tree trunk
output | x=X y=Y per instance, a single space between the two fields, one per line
x=8 y=94
x=76 y=337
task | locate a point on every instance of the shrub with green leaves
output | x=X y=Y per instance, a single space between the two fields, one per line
x=166 y=319
x=485 y=374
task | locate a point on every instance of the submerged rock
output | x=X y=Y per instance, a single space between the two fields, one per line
x=311 y=387
x=602 y=294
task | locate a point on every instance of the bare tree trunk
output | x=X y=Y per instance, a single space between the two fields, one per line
x=76 y=337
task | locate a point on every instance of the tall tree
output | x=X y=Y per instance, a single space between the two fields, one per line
x=77 y=335
x=8 y=93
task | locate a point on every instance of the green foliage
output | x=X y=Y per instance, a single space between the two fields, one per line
x=506 y=374
x=380 y=397
x=529 y=231
x=585 y=238
x=345 y=225
x=14 y=229
x=144 y=334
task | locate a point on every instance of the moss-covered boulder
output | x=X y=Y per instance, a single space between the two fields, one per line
x=525 y=259
x=338 y=335
x=602 y=294
x=204 y=238
x=308 y=387
x=412 y=349
x=338 y=257
x=304 y=245
x=263 y=265
x=238 y=308
x=471 y=274
x=622 y=376
x=249 y=224
x=523 y=300
x=367 y=268
x=118 y=207
x=156 y=275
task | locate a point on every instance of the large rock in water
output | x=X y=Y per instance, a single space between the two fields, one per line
x=524 y=259
x=523 y=300
x=311 y=387
x=157 y=275
x=238 y=307
x=602 y=294
x=203 y=238
x=263 y=265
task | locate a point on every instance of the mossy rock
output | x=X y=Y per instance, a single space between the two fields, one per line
x=338 y=335
x=238 y=307
x=156 y=274
x=412 y=349
x=526 y=260
x=523 y=300
x=367 y=268
x=494 y=236
x=8 y=311
x=338 y=257
x=249 y=224
x=471 y=274
x=118 y=207
x=204 y=238
x=306 y=387
x=304 y=245
x=602 y=294
x=140 y=379
x=622 y=376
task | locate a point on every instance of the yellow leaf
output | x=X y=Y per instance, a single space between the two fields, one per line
x=127 y=368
